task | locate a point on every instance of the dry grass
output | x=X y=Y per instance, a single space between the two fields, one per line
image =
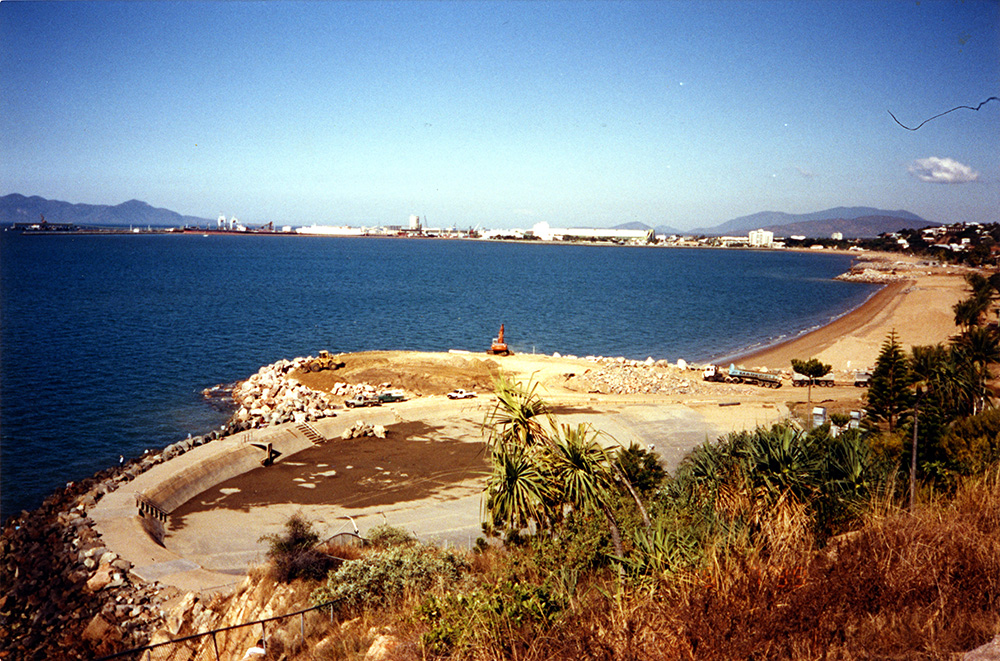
x=904 y=586
x=920 y=586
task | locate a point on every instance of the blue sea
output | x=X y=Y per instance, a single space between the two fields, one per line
x=106 y=342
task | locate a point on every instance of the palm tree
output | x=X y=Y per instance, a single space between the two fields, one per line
x=517 y=490
x=969 y=312
x=975 y=350
x=517 y=416
x=584 y=473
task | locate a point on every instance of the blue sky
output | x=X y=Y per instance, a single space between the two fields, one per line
x=503 y=114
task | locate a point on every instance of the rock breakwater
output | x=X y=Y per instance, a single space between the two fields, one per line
x=272 y=396
x=65 y=594
x=880 y=272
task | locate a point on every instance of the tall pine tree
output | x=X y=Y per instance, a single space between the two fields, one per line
x=889 y=389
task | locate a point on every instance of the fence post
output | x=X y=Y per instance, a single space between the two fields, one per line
x=302 y=626
x=215 y=644
x=263 y=636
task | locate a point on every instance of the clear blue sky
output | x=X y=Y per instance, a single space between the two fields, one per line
x=503 y=114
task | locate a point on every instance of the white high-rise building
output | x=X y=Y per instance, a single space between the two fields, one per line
x=760 y=239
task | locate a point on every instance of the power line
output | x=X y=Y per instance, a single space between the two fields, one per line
x=992 y=98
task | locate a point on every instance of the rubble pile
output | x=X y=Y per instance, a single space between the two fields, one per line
x=620 y=376
x=361 y=429
x=876 y=272
x=66 y=595
x=269 y=397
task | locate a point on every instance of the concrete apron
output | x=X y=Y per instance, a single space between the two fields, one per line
x=216 y=547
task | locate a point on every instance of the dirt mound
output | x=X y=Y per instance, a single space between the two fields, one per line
x=416 y=373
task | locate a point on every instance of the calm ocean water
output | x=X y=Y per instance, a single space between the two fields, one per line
x=107 y=341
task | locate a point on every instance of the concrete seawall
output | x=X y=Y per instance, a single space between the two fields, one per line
x=166 y=486
x=138 y=536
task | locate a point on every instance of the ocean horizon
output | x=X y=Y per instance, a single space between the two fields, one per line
x=106 y=342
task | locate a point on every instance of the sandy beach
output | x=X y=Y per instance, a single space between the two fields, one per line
x=918 y=308
x=428 y=474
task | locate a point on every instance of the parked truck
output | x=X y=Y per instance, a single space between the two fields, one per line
x=801 y=381
x=736 y=375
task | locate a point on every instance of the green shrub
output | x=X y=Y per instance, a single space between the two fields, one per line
x=386 y=576
x=641 y=468
x=973 y=443
x=383 y=536
x=505 y=617
x=293 y=553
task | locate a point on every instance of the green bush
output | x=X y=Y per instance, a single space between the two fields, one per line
x=293 y=553
x=973 y=443
x=500 y=617
x=383 y=536
x=386 y=576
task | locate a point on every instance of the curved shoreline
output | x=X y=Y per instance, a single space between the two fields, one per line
x=780 y=353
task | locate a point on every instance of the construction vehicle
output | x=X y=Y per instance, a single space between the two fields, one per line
x=325 y=361
x=736 y=375
x=362 y=401
x=862 y=378
x=499 y=347
x=389 y=396
x=801 y=381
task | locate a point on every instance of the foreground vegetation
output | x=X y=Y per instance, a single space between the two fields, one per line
x=777 y=543
x=871 y=543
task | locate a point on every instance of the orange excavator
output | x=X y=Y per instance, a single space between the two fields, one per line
x=499 y=347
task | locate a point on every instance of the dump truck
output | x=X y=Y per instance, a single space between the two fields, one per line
x=862 y=378
x=736 y=375
x=801 y=381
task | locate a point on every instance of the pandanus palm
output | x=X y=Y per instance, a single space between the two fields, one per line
x=517 y=416
x=583 y=471
x=517 y=490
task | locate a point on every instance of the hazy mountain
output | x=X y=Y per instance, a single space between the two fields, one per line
x=659 y=229
x=865 y=227
x=634 y=225
x=16 y=208
x=839 y=219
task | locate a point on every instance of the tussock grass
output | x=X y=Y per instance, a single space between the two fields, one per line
x=900 y=585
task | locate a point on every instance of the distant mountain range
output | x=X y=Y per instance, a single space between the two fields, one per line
x=853 y=222
x=660 y=229
x=16 y=208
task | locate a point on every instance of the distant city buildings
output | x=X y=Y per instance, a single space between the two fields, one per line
x=760 y=239
x=545 y=233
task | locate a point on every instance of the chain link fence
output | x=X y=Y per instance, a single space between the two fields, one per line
x=217 y=644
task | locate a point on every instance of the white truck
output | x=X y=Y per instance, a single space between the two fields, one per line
x=736 y=375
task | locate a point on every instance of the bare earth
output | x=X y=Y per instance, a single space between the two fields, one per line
x=428 y=474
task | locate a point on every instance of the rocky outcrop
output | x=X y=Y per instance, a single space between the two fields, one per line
x=877 y=272
x=64 y=594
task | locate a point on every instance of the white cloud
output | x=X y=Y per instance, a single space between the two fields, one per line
x=934 y=170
